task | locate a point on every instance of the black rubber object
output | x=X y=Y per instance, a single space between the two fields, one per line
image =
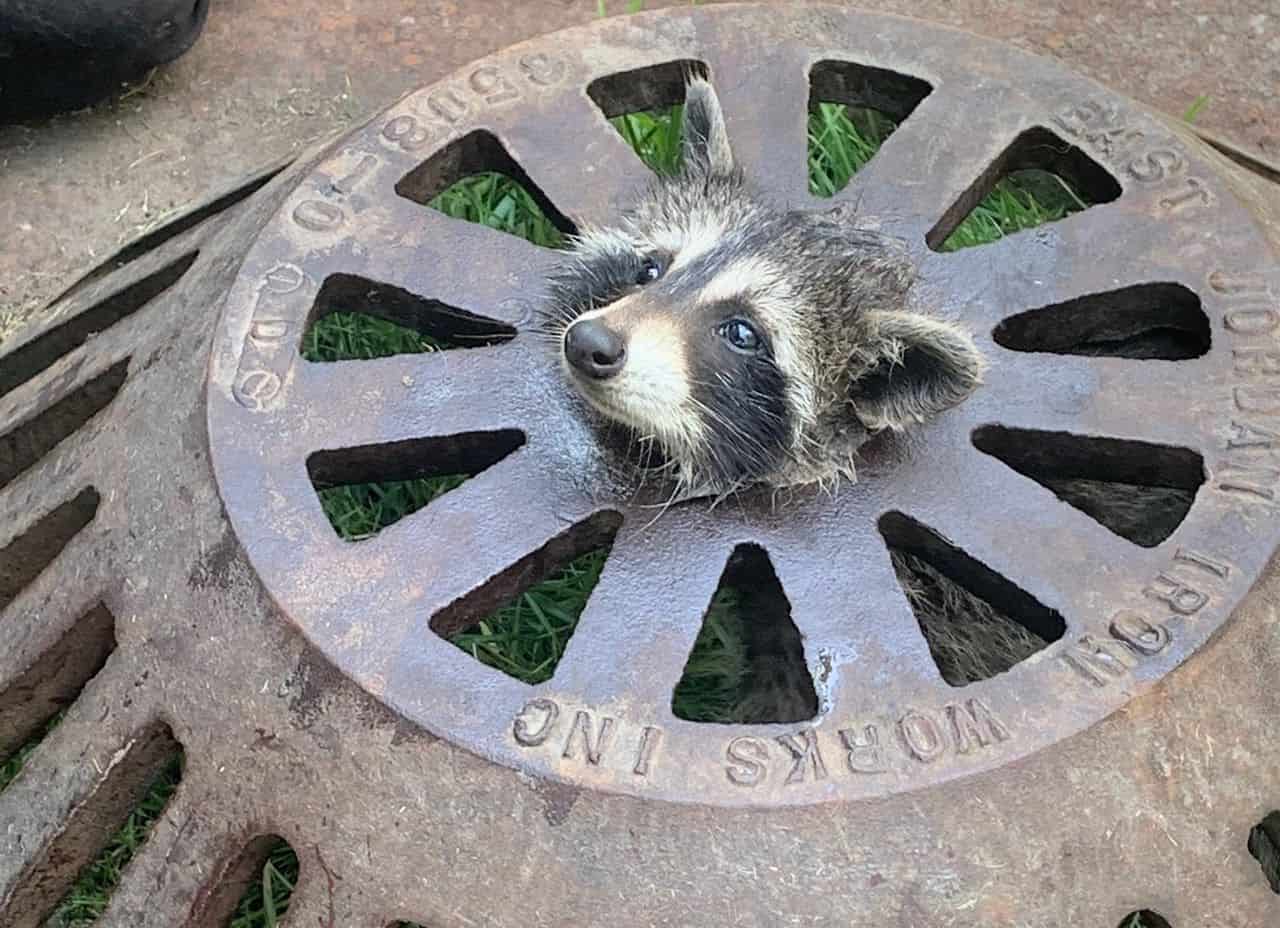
x=61 y=54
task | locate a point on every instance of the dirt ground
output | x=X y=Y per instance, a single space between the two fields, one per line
x=268 y=77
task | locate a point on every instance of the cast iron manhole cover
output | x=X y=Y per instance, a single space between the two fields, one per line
x=1172 y=248
x=171 y=583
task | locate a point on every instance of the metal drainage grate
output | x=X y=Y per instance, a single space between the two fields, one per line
x=1109 y=495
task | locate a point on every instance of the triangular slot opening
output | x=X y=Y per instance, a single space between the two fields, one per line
x=1038 y=179
x=976 y=622
x=270 y=866
x=1144 y=919
x=520 y=622
x=646 y=107
x=1155 y=321
x=357 y=319
x=366 y=488
x=475 y=179
x=747 y=665
x=853 y=109
x=1138 y=490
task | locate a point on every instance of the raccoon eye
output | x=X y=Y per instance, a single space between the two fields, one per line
x=650 y=270
x=740 y=335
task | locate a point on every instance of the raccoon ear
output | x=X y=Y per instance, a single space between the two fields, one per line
x=920 y=367
x=706 y=141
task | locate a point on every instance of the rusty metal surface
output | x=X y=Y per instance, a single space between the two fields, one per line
x=270 y=411
x=438 y=814
x=266 y=77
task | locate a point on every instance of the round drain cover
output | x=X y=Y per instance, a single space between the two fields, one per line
x=926 y=664
x=1129 y=345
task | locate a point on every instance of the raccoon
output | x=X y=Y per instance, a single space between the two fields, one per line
x=743 y=343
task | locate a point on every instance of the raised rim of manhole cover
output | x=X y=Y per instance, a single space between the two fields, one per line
x=887 y=720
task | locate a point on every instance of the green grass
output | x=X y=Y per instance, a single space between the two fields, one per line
x=263 y=902
x=526 y=638
x=91 y=892
x=1023 y=200
x=714 y=677
x=496 y=201
x=1192 y=112
x=12 y=765
x=341 y=335
x=632 y=6
x=655 y=137
x=842 y=139
x=362 y=510
x=267 y=898
x=490 y=199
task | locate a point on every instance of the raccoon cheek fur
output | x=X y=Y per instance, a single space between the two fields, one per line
x=834 y=357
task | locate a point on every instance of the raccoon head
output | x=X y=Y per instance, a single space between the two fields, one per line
x=742 y=342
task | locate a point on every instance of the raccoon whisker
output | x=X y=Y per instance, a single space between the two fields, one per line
x=734 y=429
x=724 y=495
x=644 y=450
x=662 y=509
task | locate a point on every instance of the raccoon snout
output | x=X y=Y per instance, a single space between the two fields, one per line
x=594 y=349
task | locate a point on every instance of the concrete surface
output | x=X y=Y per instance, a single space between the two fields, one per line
x=267 y=77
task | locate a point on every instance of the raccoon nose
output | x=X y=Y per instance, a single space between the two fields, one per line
x=594 y=349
